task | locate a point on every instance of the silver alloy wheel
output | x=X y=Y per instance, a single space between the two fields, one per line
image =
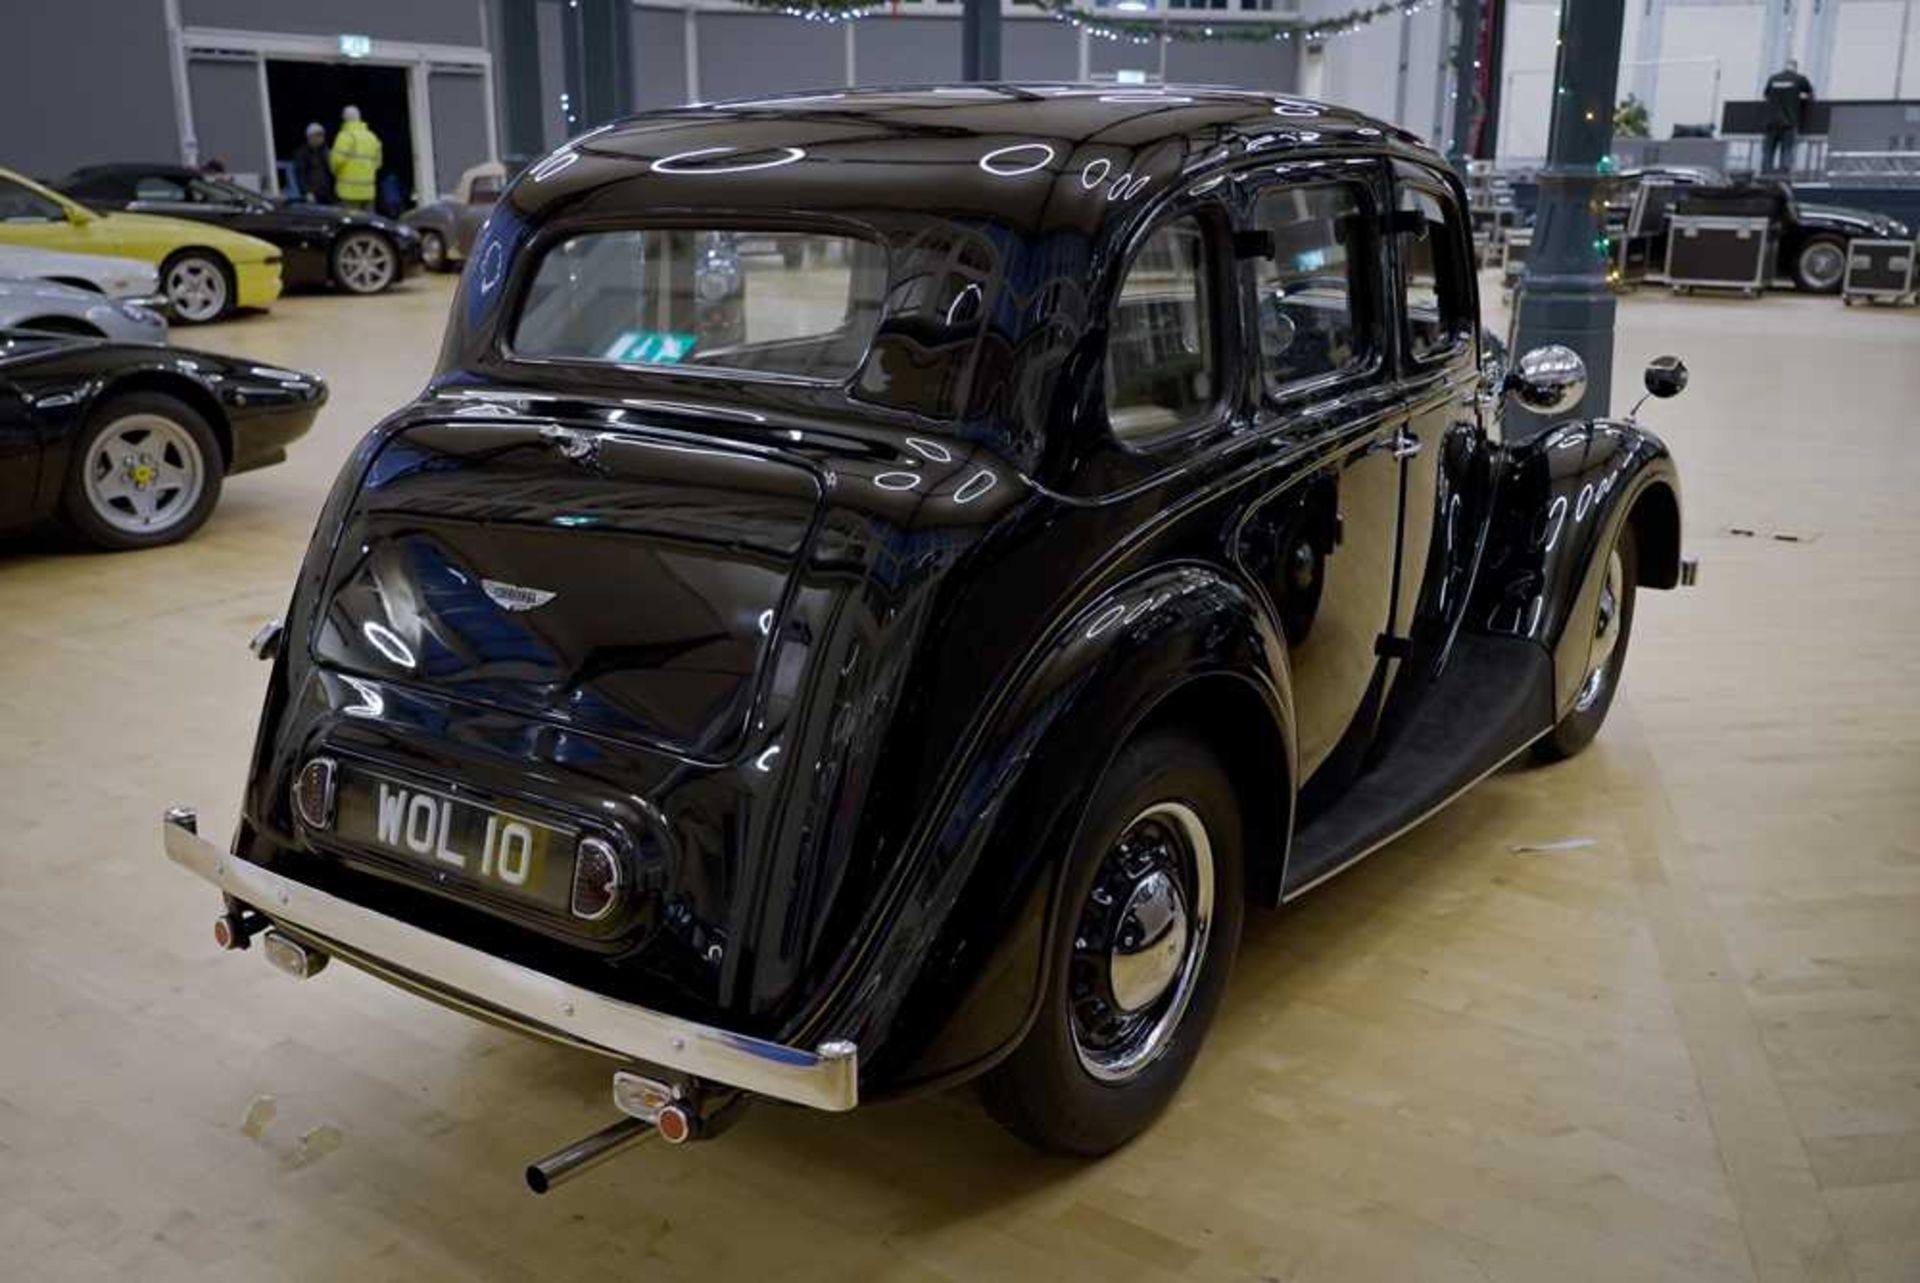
x=197 y=288
x=144 y=474
x=1140 y=942
x=1822 y=265
x=1606 y=633
x=433 y=251
x=364 y=262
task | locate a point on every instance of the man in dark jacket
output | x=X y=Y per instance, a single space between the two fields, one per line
x=312 y=167
x=1789 y=94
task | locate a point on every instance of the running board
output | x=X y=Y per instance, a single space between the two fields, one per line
x=1494 y=699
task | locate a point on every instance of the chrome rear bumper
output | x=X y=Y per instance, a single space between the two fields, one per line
x=827 y=1077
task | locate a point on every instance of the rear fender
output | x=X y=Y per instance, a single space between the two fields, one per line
x=950 y=981
x=1564 y=499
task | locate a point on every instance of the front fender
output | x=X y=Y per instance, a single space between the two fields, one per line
x=1564 y=498
x=950 y=980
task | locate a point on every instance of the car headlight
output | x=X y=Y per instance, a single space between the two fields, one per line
x=138 y=315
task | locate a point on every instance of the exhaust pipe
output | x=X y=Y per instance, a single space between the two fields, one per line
x=586 y=1154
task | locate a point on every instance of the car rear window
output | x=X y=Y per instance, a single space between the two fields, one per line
x=785 y=303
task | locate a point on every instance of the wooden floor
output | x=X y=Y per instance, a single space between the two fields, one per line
x=1688 y=1050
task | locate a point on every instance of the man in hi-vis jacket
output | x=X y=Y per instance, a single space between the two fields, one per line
x=356 y=161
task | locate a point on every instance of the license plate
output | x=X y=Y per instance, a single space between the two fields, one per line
x=456 y=839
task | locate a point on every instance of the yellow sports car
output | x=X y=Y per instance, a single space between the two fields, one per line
x=206 y=271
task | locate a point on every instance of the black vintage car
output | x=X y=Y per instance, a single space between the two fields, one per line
x=1106 y=523
x=126 y=444
x=352 y=249
x=1811 y=239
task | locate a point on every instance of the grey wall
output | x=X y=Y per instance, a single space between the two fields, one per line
x=659 y=58
x=747 y=55
x=743 y=55
x=1244 y=66
x=458 y=101
x=83 y=80
x=446 y=22
x=907 y=51
x=226 y=115
x=1038 y=51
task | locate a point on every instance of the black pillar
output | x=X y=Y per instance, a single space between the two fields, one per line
x=1493 y=57
x=606 y=61
x=516 y=40
x=1466 y=82
x=980 y=40
x=1564 y=296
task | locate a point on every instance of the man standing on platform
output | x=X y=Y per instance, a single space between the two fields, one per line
x=1789 y=95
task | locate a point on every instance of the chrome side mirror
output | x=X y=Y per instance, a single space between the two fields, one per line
x=1666 y=376
x=1549 y=380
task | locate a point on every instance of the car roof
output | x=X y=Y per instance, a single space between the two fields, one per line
x=132 y=167
x=1034 y=156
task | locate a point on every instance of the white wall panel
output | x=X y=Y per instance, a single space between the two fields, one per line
x=1533 y=28
x=1866 y=49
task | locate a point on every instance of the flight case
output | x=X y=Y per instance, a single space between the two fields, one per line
x=1719 y=251
x=1879 y=270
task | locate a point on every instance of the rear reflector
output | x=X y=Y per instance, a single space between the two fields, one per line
x=596 y=879
x=313 y=792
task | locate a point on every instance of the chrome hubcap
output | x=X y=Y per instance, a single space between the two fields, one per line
x=432 y=252
x=197 y=289
x=144 y=474
x=1606 y=633
x=1139 y=942
x=1823 y=265
x=365 y=264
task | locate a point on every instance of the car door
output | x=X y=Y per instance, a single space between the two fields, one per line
x=20 y=456
x=1324 y=540
x=30 y=217
x=1444 y=452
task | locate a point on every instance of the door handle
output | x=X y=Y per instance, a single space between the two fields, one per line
x=1401 y=445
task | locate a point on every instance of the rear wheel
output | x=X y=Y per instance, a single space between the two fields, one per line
x=1148 y=926
x=1821 y=265
x=365 y=263
x=433 y=251
x=199 y=284
x=145 y=471
x=1606 y=656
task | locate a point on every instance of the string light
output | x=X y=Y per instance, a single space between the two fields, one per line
x=1137 y=31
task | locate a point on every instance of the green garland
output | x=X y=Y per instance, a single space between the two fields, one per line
x=1189 y=26
x=1195 y=28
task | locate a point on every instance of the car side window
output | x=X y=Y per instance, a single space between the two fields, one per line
x=23 y=205
x=1308 y=287
x=1434 y=274
x=485 y=191
x=1160 y=342
x=154 y=187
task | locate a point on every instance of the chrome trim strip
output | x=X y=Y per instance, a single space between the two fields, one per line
x=827 y=1077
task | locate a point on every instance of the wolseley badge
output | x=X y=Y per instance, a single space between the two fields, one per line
x=515 y=596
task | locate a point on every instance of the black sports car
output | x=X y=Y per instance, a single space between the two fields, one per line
x=360 y=252
x=126 y=444
x=1812 y=239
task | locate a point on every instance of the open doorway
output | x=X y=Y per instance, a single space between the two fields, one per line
x=300 y=92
